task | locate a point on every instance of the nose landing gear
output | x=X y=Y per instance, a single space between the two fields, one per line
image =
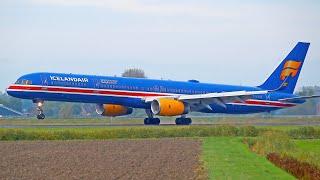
x=40 y=115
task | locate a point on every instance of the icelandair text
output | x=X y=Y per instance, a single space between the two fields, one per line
x=71 y=79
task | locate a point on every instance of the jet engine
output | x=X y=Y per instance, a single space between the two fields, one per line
x=113 y=110
x=169 y=107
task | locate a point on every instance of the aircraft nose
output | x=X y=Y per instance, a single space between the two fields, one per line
x=9 y=90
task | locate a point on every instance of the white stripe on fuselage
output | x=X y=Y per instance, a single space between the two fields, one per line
x=131 y=96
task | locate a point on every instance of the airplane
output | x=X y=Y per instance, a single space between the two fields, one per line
x=118 y=96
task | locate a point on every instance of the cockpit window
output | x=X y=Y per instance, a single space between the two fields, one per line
x=18 y=81
x=23 y=82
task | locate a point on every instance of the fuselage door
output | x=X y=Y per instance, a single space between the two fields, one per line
x=44 y=80
x=96 y=83
x=268 y=98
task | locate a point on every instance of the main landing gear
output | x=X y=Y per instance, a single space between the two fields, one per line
x=40 y=115
x=150 y=120
x=183 y=120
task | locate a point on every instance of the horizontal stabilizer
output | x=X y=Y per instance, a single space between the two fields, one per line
x=299 y=98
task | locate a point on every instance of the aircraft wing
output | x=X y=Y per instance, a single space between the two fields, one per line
x=221 y=99
x=203 y=100
x=299 y=98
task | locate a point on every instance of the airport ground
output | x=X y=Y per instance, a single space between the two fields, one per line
x=123 y=121
x=225 y=148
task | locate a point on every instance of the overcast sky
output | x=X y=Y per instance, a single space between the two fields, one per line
x=231 y=42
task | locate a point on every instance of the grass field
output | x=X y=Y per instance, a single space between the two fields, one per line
x=307 y=151
x=290 y=150
x=311 y=145
x=224 y=154
x=229 y=158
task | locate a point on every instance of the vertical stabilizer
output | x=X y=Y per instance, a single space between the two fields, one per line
x=285 y=77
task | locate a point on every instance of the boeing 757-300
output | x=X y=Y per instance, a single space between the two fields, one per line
x=117 y=96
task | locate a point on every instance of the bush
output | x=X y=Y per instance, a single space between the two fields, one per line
x=248 y=131
x=249 y=141
x=272 y=141
x=305 y=133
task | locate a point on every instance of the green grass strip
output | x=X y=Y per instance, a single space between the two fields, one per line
x=229 y=158
x=9 y=134
x=123 y=132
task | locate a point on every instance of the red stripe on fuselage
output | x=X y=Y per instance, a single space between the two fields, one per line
x=132 y=94
x=82 y=90
x=264 y=103
x=273 y=103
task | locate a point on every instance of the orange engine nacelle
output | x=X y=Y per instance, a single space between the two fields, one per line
x=113 y=110
x=169 y=107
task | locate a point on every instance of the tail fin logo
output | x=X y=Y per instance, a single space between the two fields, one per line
x=290 y=68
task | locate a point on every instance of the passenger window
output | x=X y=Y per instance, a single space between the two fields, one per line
x=28 y=82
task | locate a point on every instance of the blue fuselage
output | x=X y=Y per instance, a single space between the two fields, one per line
x=131 y=92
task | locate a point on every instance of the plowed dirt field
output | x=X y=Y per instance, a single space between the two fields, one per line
x=115 y=159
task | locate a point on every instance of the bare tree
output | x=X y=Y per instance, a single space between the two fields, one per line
x=134 y=72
